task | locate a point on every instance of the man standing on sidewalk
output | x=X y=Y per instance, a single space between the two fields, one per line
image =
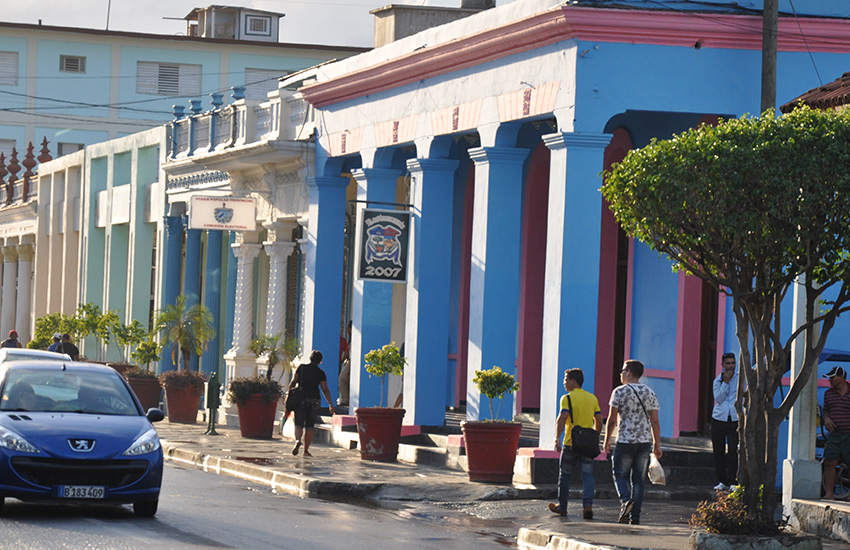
x=634 y=406
x=836 y=419
x=582 y=409
x=724 y=425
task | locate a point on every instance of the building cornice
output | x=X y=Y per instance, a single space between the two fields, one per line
x=665 y=28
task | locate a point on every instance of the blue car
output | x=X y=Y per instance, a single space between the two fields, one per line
x=75 y=432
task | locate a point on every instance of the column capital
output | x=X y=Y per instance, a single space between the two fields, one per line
x=432 y=165
x=10 y=254
x=324 y=182
x=490 y=155
x=26 y=252
x=279 y=230
x=563 y=140
x=245 y=251
x=278 y=248
x=362 y=174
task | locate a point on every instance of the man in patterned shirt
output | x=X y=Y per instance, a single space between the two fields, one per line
x=634 y=407
x=836 y=419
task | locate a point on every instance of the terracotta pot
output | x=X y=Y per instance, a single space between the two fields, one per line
x=491 y=450
x=182 y=405
x=148 y=390
x=379 y=429
x=120 y=367
x=256 y=419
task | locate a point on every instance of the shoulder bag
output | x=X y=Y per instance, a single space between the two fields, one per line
x=584 y=441
x=294 y=398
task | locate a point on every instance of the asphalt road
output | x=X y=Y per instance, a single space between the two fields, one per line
x=199 y=510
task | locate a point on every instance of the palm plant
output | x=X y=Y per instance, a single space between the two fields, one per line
x=277 y=349
x=187 y=329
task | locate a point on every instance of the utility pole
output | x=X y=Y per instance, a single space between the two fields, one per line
x=770 y=23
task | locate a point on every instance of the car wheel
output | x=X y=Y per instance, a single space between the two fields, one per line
x=146 y=508
x=842 y=482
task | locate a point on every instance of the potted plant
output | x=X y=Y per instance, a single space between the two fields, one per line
x=142 y=380
x=256 y=401
x=276 y=349
x=188 y=330
x=727 y=523
x=183 y=391
x=379 y=427
x=491 y=445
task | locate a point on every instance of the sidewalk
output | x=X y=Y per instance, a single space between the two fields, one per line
x=340 y=473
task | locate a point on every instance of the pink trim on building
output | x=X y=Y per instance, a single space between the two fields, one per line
x=688 y=345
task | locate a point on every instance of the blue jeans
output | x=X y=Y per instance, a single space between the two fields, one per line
x=631 y=462
x=568 y=459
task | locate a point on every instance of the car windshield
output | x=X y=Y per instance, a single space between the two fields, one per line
x=40 y=390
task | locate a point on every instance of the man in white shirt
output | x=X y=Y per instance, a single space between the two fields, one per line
x=724 y=424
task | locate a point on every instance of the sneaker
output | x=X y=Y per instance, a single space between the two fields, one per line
x=733 y=487
x=295 y=448
x=721 y=487
x=588 y=512
x=626 y=511
x=556 y=509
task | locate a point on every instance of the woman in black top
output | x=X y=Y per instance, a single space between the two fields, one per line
x=310 y=378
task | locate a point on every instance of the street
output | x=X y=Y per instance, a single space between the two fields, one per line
x=200 y=510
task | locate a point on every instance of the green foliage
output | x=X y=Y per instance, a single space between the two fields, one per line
x=752 y=206
x=278 y=350
x=729 y=515
x=384 y=361
x=138 y=372
x=47 y=326
x=188 y=329
x=495 y=383
x=147 y=351
x=129 y=336
x=182 y=380
x=239 y=390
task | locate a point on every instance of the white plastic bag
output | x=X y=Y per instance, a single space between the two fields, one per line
x=656 y=471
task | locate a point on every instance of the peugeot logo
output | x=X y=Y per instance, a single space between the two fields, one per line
x=81 y=445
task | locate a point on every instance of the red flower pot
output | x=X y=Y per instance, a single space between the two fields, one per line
x=491 y=450
x=256 y=419
x=380 y=430
x=182 y=405
x=148 y=390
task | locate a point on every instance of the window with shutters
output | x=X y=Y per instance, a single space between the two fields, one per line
x=6 y=146
x=8 y=68
x=258 y=25
x=72 y=64
x=174 y=79
x=259 y=82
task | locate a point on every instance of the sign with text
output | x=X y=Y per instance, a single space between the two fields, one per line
x=384 y=237
x=223 y=213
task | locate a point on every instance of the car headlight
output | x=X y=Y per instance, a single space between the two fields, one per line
x=15 y=442
x=146 y=443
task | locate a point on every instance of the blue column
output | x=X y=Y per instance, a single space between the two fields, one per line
x=192 y=275
x=371 y=301
x=211 y=359
x=230 y=304
x=495 y=270
x=172 y=271
x=571 y=298
x=323 y=284
x=428 y=291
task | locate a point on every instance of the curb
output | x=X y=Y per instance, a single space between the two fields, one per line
x=532 y=539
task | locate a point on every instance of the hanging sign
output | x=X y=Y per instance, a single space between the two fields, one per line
x=384 y=237
x=223 y=213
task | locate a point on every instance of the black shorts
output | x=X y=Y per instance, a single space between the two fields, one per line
x=305 y=415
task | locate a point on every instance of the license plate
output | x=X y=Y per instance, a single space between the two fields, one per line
x=82 y=491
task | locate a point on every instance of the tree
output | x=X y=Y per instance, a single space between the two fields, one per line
x=277 y=349
x=188 y=329
x=753 y=206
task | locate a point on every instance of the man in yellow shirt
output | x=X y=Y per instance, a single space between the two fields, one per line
x=583 y=412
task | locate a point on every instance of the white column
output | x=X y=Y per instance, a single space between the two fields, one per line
x=23 y=317
x=278 y=252
x=10 y=291
x=238 y=364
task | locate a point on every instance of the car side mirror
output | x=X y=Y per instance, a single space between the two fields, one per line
x=155 y=415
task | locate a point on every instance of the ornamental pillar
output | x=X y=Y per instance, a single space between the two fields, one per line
x=571 y=290
x=10 y=291
x=23 y=317
x=239 y=364
x=371 y=301
x=495 y=271
x=279 y=252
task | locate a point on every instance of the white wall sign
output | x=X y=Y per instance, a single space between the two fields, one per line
x=223 y=213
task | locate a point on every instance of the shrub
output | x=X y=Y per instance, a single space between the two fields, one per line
x=183 y=380
x=138 y=372
x=495 y=383
x=241 y=389
x=729 y=515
